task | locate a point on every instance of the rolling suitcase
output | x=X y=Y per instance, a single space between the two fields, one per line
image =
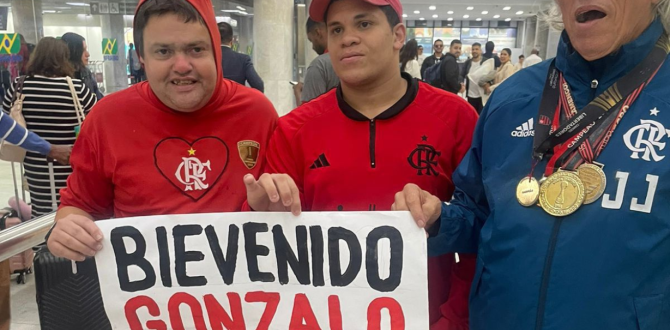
x=68 y=293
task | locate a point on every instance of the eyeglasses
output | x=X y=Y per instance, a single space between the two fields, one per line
x=439 y=46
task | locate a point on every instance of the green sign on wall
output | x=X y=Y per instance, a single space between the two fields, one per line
x=109 y=46
x=10 y=44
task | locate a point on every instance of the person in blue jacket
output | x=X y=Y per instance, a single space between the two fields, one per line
x=595 y=255
x=14 y=133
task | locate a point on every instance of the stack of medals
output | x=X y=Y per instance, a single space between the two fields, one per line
x=572 y=177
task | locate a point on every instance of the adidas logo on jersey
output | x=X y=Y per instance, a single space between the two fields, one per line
x=320 y=162
x=525 y=130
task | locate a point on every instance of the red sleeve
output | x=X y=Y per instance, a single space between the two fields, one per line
x=454 y=312
x=89 y=188
x=280 y=159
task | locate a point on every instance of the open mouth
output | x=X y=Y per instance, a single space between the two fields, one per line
x=183 y=82
x=590 y=15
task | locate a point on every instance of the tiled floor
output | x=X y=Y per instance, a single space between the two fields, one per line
x=24 y=307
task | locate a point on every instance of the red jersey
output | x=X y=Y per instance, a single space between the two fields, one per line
x=135 y=156
x=341 y=160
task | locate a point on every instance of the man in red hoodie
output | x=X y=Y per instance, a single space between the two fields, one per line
x=352 y=148
x=178 y=143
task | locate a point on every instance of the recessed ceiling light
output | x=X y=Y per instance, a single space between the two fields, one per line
x=478 y=20
x=470 y=8
x=485 y=12
x=507 y=8
x=507 y=19
x=432 y=7
x=450 y=19
x=422 y=19
x=404 y=15
x=80 y=4
x=451 y=12
x=48 y=11
x=417 y=12
x=520 y=12
x=435 y=16
x=466 y=16
x=241 y=8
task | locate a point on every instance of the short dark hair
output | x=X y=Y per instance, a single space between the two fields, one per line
x=476 y=44
x=490 y=46
x=226 y=31
x=440 y=40
x=391 y=15
x=151 y=8
x=508 y=51
x=50 y=59
x=455 y=42
x=312 y=24
x=522 y=56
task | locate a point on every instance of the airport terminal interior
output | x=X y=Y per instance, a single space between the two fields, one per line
x=271 y=32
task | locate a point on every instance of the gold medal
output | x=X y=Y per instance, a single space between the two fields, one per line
x=594 y=181
x=562 y=194
x=527 y=191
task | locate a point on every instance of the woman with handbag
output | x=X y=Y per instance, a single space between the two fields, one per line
x=54 y=107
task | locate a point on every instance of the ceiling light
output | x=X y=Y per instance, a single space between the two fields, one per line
x=450 y=19
x=470 y=8
x=435 y=16
x=432 y=7
x=404 y=15
x=520 y=12
x=485 y=12
x=466 y=16
x=422 y=19
x=79 y=4
x=507 y=8
x=507 y=19
x=478 y=20
x=417 y=12
x=241 y=8
x=48 y=11
x=451 y=12
x=496 y=16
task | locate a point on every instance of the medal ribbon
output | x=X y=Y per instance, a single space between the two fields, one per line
x=575 y=132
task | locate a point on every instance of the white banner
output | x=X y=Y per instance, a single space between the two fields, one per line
x=274 y=271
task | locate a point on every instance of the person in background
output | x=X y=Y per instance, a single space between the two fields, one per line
x=134 y=65
x=380 y=117
x=50 y=112
x=503 y=72
x=18 y=135
x=450 y=71
x=519 y=65
x=438 y=47
x=237 y=66
x=474 y=92
x=421 y=56
x=79 y=59
x=490 y=47
x=409 y=59
x=533 y=59
x=319 y=76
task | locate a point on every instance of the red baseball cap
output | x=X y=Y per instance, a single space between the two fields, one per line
x=318 y=8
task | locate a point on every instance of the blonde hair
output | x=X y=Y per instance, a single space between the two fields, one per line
x=553 y=16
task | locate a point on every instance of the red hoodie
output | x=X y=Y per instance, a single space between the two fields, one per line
x=135 y=156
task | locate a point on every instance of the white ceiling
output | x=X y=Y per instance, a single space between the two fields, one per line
x=460 y=8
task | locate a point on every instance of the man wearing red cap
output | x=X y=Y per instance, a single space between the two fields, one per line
x=352 y=148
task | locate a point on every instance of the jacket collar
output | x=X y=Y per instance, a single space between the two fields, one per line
x=394 y=110
x=579 y=73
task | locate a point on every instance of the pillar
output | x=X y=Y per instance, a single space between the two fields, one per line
x=273 y=50
x=27 y=17
x=114 y=68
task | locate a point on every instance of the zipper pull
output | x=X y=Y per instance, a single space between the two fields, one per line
x=594 y=84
